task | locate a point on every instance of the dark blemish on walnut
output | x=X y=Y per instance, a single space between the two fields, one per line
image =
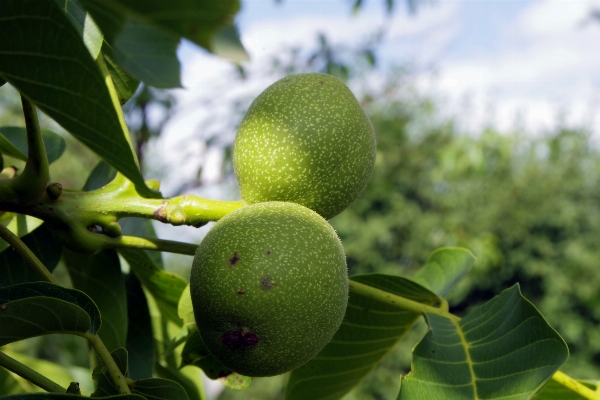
x=3 y=308
x=267 y=283
x=240 y=339
x=241 y=291
x=268 y=252
x=233 y=260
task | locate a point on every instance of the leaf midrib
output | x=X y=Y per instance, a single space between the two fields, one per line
x=465 y=345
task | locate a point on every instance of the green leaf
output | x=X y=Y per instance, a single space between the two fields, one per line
x=83 y=24
x=502 y=349
x=39 y=50
x=31 y=296
x=140 y=340
x=201 y=21
x=9 y=149
x=55 y=144
x=99 y=276
x=14 y=270
x=26 y=318
x=444 y=269
x=160 y=389
x=18 y=224
x=185 y=309
x=125 y=84
x=65 y=396
x=370 y=329
x=148 y=54
x=193 y=388
x=165 y=287
x=195 y=353
x=555 y=391
x=145 y=52
x=101 y=175
x=227 y=44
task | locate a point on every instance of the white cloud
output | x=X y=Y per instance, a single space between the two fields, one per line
x=548 y=65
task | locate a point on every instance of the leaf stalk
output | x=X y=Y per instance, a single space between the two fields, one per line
x=397 y=301
x=113 y=369
x=24 y=251
x=32 y=376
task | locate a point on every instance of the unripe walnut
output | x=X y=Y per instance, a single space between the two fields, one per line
x=306 y=140
x=269 y=288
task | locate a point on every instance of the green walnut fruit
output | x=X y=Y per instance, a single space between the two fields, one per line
x=269 y=288
x=305 y=140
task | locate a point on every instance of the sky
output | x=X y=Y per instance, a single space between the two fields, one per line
x=525 y=64
x=511 y=64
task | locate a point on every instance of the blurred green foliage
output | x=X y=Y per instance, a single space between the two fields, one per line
x=525 y=204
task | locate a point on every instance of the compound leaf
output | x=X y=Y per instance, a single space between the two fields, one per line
x=43 y=56
x=503 y=349
x=368 y=332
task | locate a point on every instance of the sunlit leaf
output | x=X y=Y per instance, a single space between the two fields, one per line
x=503 y=349
x=14 y=269
x=83 y=23
x=39 y=49
x=165 y=287
x=185 y=310
x=99 y=276
x=370 y=329
x=444 y=269
x=53 y=142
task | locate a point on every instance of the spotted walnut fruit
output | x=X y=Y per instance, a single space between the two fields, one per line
x=305 y=140
x=269 y=288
